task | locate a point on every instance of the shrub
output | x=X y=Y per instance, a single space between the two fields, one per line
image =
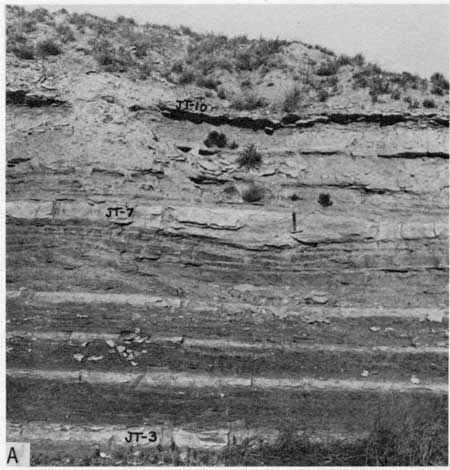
x=436 y=90
x=234 y=145
x=249 y=102
x=327 y=68
x=396 y=95
x=186 y=30
x=221 y=93
x=48 y=47
x=252 y=193
x=145 y=70
x=28 y=26
x=177 y=67
x=323 y=95
x=40 y=14
x=77 y=19
x=206 y=82
x=65 y=33
x=359 y=60
x=216 y=138
x=141 y=46
x=429 y=103
x=23 y=51
x=258 y=53
x=438 y=80
x=250 y=157
x=125 y=21
x=111 y=59
x=292 y=100
x=325 y=200
x=373 y=96
x=411 y=103
x=343 y=60
x=187 y=76
x=324 y=50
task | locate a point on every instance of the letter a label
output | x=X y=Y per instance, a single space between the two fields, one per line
x=17 y=454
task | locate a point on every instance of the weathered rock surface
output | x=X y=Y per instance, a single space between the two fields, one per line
x=121 y=223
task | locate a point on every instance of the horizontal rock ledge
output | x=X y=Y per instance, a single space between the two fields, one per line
x=257 y=228
x=223 y=344
x=151 y=379
x=204 y=439
x=437 y=314
x=298 y=121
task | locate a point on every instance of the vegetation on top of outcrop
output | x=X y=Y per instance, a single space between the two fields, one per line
x=249 y=73
x=440 y=84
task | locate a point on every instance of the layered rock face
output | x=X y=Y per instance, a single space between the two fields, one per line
x=144 y=293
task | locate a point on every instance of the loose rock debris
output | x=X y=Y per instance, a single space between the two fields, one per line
x=316 y=297
x=95 y=358
x=126 y=350
x=78 y=357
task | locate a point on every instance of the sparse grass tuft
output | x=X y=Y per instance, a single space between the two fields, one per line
x=407 y=432
x=250 y=157
x=409 y=436
x=48 y=47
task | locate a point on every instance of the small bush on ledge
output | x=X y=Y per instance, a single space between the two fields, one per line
x=252 y=193
x=216 y=138
x=250 y=157
x=325 y=200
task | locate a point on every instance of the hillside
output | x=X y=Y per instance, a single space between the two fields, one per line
x=157 y=280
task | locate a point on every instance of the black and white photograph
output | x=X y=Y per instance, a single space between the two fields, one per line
x=226 y=234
